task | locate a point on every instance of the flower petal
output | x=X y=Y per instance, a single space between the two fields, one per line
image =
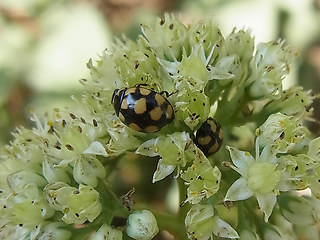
x=96 y=148
x=162 y=171
x=148 y=148
x=238 y=191
x=223 y=229
x=266 y=203
x=241 y=159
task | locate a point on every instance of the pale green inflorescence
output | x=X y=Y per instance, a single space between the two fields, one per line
x=54 y=177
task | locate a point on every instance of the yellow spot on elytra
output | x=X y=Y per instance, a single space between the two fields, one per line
x=220 y=134
x=204 y=140
x=169 y=112
x=213 y=126
x=140 y=106
x=130 y=90
x=124 y=104
x=247 y=154
x=159 y=99
x=214 y=148
x=155 y=114
x=135 y=127
x=121 y=117
x=144 y=91
x=151 y=129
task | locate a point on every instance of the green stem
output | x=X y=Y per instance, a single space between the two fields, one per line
x=182 y=197
x=227 y=109
x=213 y=91
x=172 y=224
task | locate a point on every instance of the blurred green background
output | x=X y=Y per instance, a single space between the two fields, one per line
x=45 y=44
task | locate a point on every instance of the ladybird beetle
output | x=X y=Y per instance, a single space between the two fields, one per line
x=209 y=137
x=142 y=109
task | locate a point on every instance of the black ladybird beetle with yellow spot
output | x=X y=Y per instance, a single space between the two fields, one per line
x=209 y=137
x=142 y=109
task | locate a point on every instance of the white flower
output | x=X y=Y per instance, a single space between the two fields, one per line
x=259 y=177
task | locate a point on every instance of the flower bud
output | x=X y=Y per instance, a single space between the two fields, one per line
x=55 y=231
x=269 y=66
x=17 y=180
x=78 y=205
x=27 y=207
x=293 y=102
x=201 y=223
x=142 y=225
x=171 y=41
x=106 y=232
x=299 y=210
x=173 y=149
x=88 y=170
x=284 y=131
x=203 y=180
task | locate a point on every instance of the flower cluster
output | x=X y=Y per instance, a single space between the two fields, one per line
x=53 y=177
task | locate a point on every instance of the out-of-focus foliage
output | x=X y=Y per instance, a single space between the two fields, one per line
x=44 y=46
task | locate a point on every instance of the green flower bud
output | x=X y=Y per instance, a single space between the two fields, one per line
x=27 y=208
x=53 y=172
x=16 y=232
x=82 y=205
x=19 y=179
x=297 y=169
x=173 y=38
x=201 y=223
x=231 y=67
x=134 y=62
x=235 y=55
x=54 y=231
x=299 y=210
x=266 y=86
x=122 y=138
x=78 y=205
x=194 y=65
x=269 y=66
x=207 y=34
x=314 y=182
x=27 y=150
x=192 y=106
x=174 y=151
x=142 y=225
x=284 y=131
x=106 y=232
x=87 y=170
x=57 y=194
x=99 y=70
x=293 y=102
x=314 y=149
x=203 y=180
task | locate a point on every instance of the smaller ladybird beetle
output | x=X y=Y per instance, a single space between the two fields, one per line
x=142 y=109
x=209 y=137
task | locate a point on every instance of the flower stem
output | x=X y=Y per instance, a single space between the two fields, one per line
x=172 y=224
